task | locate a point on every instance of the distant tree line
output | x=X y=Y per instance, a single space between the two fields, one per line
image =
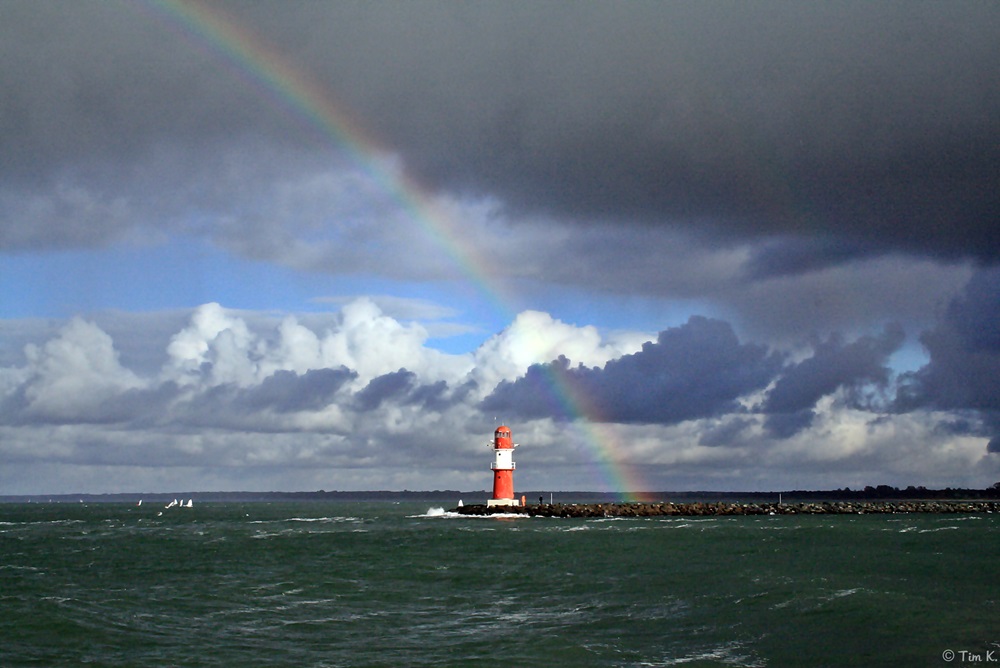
x=867 y=493
x=889 y=492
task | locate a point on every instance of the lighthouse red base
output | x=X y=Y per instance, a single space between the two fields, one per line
x=503 y=484
x=503 y=468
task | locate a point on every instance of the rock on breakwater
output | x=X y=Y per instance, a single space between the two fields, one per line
x=726 y=508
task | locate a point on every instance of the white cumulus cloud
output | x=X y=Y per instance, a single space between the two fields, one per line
x=73 y=374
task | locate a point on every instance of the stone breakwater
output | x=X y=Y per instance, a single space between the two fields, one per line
x=727 y=509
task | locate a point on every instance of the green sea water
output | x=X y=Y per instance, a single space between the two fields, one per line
x=405 y=584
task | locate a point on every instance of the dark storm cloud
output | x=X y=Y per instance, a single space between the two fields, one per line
x=694 y=371
x=700 y=370
x=388 y=386
x=289 y=392
x=835 y=364
x=859 y=127
x=87 y=83
x=786 y=425
x=792 y=256
x=725 y=434
x=403 y=388
x=139 y=408
x=257 y=407
x=226 y=405
x=436 y=396
x=136 y=407
x=964 y=369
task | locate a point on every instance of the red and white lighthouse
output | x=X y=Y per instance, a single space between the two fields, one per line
x=503 y=468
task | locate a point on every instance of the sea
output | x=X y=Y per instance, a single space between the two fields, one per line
x=338 y=583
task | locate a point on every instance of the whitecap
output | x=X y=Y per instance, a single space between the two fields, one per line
x=437 y=511
x=843 y=592
x=730 y=654
x=938 y=529
x=491 y=516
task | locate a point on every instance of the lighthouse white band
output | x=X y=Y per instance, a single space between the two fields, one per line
x=504 y=459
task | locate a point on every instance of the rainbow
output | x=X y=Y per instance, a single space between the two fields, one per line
x=291 y=88
x=598 y=434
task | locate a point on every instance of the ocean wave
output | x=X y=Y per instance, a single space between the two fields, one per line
x=324 y=519
x=438 y=512
x=937 y=529
x=435 y=512
x=729 y=654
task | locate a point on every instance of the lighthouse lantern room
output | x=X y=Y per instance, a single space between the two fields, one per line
x=503 y=468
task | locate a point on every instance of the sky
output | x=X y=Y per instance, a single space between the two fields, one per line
x=332 y=245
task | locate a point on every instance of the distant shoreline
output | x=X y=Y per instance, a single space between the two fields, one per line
x=879 y=493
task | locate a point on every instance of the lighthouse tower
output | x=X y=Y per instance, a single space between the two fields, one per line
x=503 y=468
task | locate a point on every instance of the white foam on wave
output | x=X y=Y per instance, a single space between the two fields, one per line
x=843 y=592
x=436 y=512
x=447 y=514
x=938 y=529
x=730 y=654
